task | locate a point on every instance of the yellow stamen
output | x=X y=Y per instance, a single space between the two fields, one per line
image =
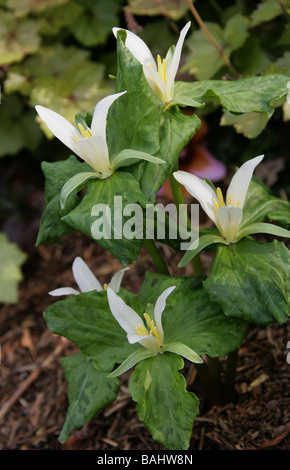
x=85 y=132
x=142 y=330
x=216 y=203
x=150 y=322
x=220 y=197
x=105 y=286
x=156 y=333
x=231 y=200
x=161 y=68
x=153 y=329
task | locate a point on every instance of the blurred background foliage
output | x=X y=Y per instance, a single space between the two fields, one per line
x=62 y=54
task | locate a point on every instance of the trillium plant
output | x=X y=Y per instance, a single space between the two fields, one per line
x=123 y=151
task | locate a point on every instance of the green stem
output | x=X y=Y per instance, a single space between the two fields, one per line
x=177 y=194
x=178 y=200
x=156 y=257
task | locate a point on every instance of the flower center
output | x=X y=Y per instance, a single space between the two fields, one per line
x=220 y=200
x=153 y=330
x=161 y=68
x=84 y=132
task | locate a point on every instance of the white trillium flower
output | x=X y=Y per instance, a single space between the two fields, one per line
x=90 y=144
x=161 y=75
x=87 y=281
x=226 y=215
x=150 y=334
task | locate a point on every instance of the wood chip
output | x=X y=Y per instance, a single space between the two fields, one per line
x=258 y=381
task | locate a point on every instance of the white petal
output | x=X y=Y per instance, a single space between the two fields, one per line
x=135 y=338
x=172 y=71
x=95 y=153
x=64 y=291
x=237 y=190
x=99 y=120
x=229 y=219
x=155 y=82
x=84 y=277
x=200 y=190
x=138 y=47
x=150 y=342
x=117 y=279
x=60 y=127
x=159 y=308
x=127 y=318
x=169 y=56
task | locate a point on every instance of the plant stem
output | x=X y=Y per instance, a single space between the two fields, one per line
x=207 y=384
x=179 y=199
x=156 y=257
x=208 y=34
x=230 y=376
x=284 y=10
x=215 y=372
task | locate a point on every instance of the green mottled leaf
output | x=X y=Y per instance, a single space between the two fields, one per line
x=250 y=280
x=100 y=215
x=53 y=78
x=59 y=16
x=96 y=21
x=248 y=124
x=253 y=94
x=52 y=228
x=89 y=390
x=11 y=259
x=236 y=31
x=174 y=9
x=261 y=205
x=266 y=11
x=251 y=59
x=18 y=127
x=203 y=60
x=164 y=405
x=25 y=7
x=18 y=38
x=154 y=284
